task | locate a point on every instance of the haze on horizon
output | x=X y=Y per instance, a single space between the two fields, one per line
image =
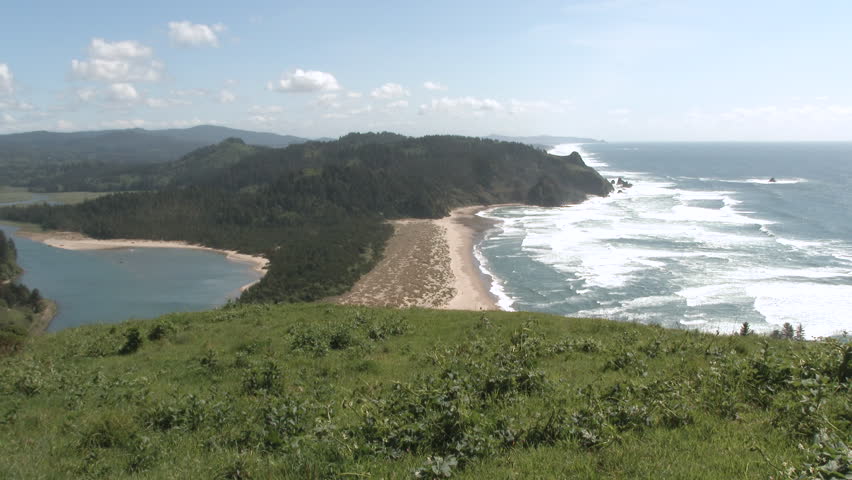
x=613 y=69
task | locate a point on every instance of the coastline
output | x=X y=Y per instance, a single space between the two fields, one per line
x=77 y=241
x=464 y=230
x=430 y=264
x=45 y=318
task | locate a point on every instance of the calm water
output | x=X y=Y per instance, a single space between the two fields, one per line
x=108 y=286
x=702 y=240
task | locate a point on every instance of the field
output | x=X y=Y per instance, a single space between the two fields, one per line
x=323 y=391
x=19 y=194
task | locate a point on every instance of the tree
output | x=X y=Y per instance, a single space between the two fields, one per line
x=800 y=333
x=35 y=301
x=745 y=329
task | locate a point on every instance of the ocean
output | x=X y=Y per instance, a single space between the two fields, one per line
x=703 y=239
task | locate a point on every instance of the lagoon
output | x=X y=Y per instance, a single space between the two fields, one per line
x=110 y=286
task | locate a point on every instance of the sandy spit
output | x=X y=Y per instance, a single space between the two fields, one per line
x=429 y=263
x=77 y=241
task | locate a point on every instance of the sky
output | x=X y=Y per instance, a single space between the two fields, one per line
x=620 y=70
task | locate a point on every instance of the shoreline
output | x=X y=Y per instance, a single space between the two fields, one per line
x=430 y=263
x=45 y=318
x=464 y=230
x=78 y=241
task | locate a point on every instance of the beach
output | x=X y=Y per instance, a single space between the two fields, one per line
x=77 y=241
x=429 y=264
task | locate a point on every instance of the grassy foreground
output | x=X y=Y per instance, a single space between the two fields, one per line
x=322 y=391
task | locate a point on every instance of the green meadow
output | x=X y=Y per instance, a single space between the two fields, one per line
x=324 y=391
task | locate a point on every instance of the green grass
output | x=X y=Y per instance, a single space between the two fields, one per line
x=73 y=198
x=14 y=194
x=322 y=391
x=21 y=194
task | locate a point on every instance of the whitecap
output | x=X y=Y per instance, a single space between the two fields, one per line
x=504 y=302
x=764 y=181
x=821 y=309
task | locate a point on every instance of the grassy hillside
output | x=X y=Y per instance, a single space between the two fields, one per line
x=321 y=391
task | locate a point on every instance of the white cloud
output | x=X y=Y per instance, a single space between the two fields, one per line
x=462 y=105
x=16 y=105
x=7 y=119
x=398 y=104
x=86 y=94
x=265 y=109
x=359 y=111
x=64 y=125
x=226 y=96
x=123 y=92
x=124 y=123
x=305 y=81
x=328 y=100
x=157 y=102
x=190 y=92
x=434 y=86
x=191 y=34
x=619 y=112
x=354 y=94
x=6 y=79
x=262 y=119
x=100 y=48
x=164 y=102
x=390 y=91
x=126 y=61
x=335 y=115
x=521 y=106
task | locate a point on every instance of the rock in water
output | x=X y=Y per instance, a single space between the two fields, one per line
x=772 y=180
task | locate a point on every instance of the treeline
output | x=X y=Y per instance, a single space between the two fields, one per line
x=8 y=259
x=18 y=304
x=317 y=210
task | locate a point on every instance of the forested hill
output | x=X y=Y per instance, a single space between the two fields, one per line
x=317 y=209
x=31 y=158
x=193 y=168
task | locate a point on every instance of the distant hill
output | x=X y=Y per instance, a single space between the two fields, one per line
x=196 y=167
x=548 y=141
x=210 y=134
x=25 y=157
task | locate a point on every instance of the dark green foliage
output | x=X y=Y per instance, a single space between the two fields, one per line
x=132 y=342
x=19 y=306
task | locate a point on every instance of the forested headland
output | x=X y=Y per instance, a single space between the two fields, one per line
x=318 y=210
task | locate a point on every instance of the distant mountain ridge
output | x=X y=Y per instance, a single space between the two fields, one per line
x=134 y=145
x=42 y=154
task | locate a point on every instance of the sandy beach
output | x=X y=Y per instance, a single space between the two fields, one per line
x=429 y=263
x=77 y=241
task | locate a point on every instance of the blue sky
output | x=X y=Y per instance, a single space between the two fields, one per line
x=613 y=69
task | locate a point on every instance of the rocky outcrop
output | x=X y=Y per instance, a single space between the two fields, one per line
x=573 y=182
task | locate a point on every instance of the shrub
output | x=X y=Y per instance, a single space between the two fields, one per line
x=132 y=342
